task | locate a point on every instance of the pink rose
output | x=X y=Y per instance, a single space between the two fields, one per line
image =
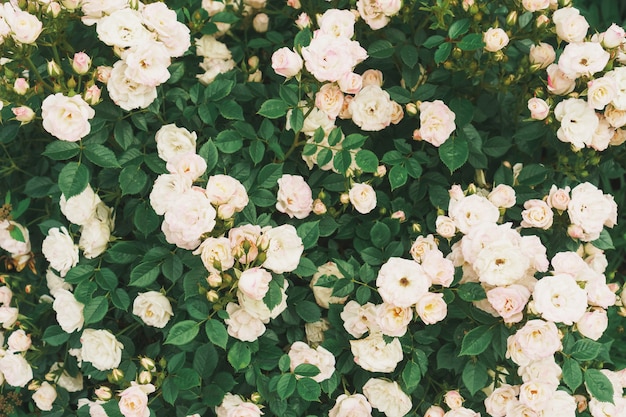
x=66 y=118
x=81 y=63
x=431 y=308
x=558 y=198
x=254 y=282
x=537 y=214
x=329 y=98
x=242 y=324
x=294 y=196
x=539 y=109
x=495 y=39
x=24 y=114
x=353 y=405
x=613 y=37
x=436 y=122
x=509 y=301
x=593 y=324
x=286 y=62
x=134 y=400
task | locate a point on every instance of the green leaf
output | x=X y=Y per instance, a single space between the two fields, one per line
x=475 y=376
x=306 y=369
x=598 y=385
x=273 y=108
x=61 y=150
x=409 y=55
x=132 y=179
x=218 y=90
x=308 y=389
x=186 y=378
x=343 y=287
x=73 y=179
x=572 y=374
x=496 y=146
x=229 y=141
x=463 y=110
x=380 y=49
x=354 y=141
x=145 y=219
x=55 y=336
x=458 y=28
x=296 y=119
x=367 y=160
x=209 y=152
x=120 y=299
x=289 y=93
x=411 y=375
x=38 y=187
x=172 y=268
x=604 y=242
x=433 y=41
x=532 y=174
x=269 y=175
x=398 y=176
x=309 y=232
x=306 y=268
x=216 y=332
x=230 y=110
x=101 y=156
x=95 y=310
x=205 y=360
x=380 y=234
x=123 y=134
x=182 y=333
x=471 y=42
x=476 y=341
x=443 y=52
x=454 y=152
x=308 y=311
x=286 y=386
x=169 y=390
x=239 y=355
x=472 y=291
x=274 y=295
x=79 y=274
x=256 y=151
x=106 y=279
x=586 y=350
x=144 y=274
x=262 y=198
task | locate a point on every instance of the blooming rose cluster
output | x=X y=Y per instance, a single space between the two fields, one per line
x=234 y=405
x=96 y=220
x=594 y=118
x=20 y=25
x=15 y=239
x=217 y=58
x=146 y=39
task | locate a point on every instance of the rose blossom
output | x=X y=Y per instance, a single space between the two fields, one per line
x=134 y=400
x=445 y=227
x=329 y=99
x=25 y=27
x=502 y=196
x=558 y=198
x=323 y=295
x=570 y=25
x=284 y=248
x=242 y=324
x=500 y=263
x=402 y=282
x=315 y=331
x=59 y=249
x=228 y=194
x=387 y=397
x=495 y=39
x=434 y=411
x=5 y=295
x=590 y=209
x=509 y=301
x=167 y=191
x=471 y=211
x=578 y=122
x=294 y=196
x=545 y=369
x=172 y=140
x=600 y=92
x=422 y=246
x=147 y=63
x=216 y=254
x=300 y=353
x=349 y=83
x=558 y=82
x=123 y=28
x=536 y=394
x=258 y=309
x=126 y=93
x=79 y=209
x=593 y=324
x=44 y=396
x=351 y=405
x=371 y=108
x=436 y=122
x=375 y=355
x=453 y=399
x=8 y=316
x=66 y=118
x=244 y=243
x=19 y=341
x=561 y=403
x=286 y=62
x=69 y=311
x=496 y=402
x=537 y=339
x=101 y=348
x=462 y=412
x=328 y=57
x=16 y=370
x=583 y=59
x=65 y=380
x=535 y=5
x=254 y=282
x=186 y=222
x=542 y=55
x=431 y=308
x=362 y=197
x=234 y=406
x=359 y=319
x=539 y=109
x=537 y=214
x=393 y=320
x=558 y=298
x=440 y=270
x=153 y=308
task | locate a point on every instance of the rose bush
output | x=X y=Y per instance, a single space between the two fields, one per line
x=267 y=207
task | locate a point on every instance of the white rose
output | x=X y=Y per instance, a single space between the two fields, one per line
x=431 y=308
x=258 y=309
x=254 y=282
x=537 y=339
x=509 y=301
x=323 y=295
x=502 y=196
x=578 y=122
x=69 y=311
x=185 y=223
x=173 y=140
x=168 y=189
x=387 y=397
x=570 y=25
x=101 y=348
x=80 y=208
x=558 y=82
x=45 y=396
x=600 y=93
x=375 y=355
x=147 y=62
x=94 y=238
x=437 y=122
x=545 y=369
x=286 y=62
x=590 y=209
x=242 y=324
x=228 y=194
x=162 y=20
x=93 y=10
x=593 y=324
x=19 y=341
x=558 y=298
x=216 y=254
x=351 y=405
x=372 y=13
x=300 y=353
x=537 y=214
x=337 y=23
x=5 y=295
x=542 y=55
x=501 y=263
x=188 y=164
x=126 y=93
x=471 y=211
x=25 y=27
x=402 y=282
x=315 y=331
x=66 y=118
x=134 y=400
x=495 y=39
x=359 y=319
x=8 y=316
x=439 y=269
x=496 y=403
x=583 y=59
x=445 y=227
x=535 y=5
x=153 y=308
x=536 y=394
x=362 y=197
x=59 y=249
x=65 y=380
x=16 y=370
x=422 y=246
x=462 y=412
x=561 y=404
x=294 y=196
x=123 y=28
x=393 y=320
x=539 y=109
x=208 y=46
x=371 y=108
x=284 y=249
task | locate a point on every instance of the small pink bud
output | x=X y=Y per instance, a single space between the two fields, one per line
x=81 y=63
x=20 y=86
x=23 y=114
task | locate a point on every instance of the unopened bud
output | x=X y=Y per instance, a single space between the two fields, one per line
x=319 y=207
x=411 y=109
x=214 y=280
x=261 y=22
x=511 y=19
x=147 y=363
x=344 y=198
x=255 y=77
x=256 y=398
x=23 y=114
x=581 y=402
x=28 y=289
x=53 y=9
x=92 y=95
x=542 y=20
x=81 y=63
x=20 y=86
x=134 y=4
x=34 y=385
x=103 y=73
x=50 y=376
x=103 y=393
x=71 y=4
x=416 y=228
x=212 y=296
x=399 y=215
x=54 y=70
x=145 y=377
x=253 y=63
x=71 y=83
x=116 y=376
x=381 y=171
